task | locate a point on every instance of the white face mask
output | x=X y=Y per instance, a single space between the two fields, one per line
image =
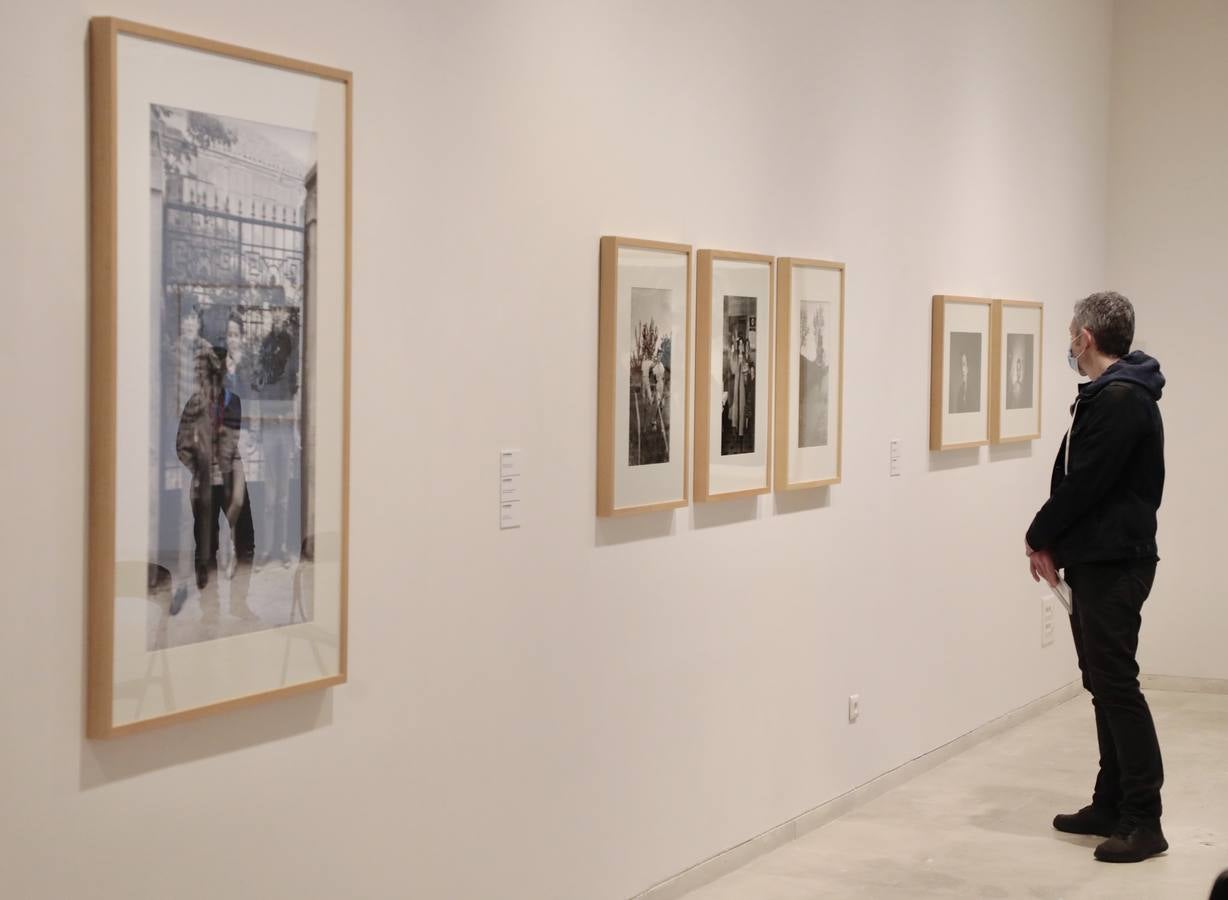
x=1073 y=360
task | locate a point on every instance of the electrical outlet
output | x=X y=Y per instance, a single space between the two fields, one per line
x=854 y=707
x=1048 y=620
x=895 y=457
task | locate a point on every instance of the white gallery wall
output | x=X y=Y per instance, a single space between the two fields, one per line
x=578 y=709
x=1168 y=250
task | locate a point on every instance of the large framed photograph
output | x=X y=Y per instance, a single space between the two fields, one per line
x=959 y=380
x=219 y=405
x=733 y=374
x=1018 y=338
x=810 y=373
x=643 y=438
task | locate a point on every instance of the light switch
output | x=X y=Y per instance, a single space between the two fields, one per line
x=511 y=489
x=895 y=457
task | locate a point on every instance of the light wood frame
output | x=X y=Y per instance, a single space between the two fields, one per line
x=995 y=378
x=784 y=320
x=703 y=366
x=104 y=35
x=938 y=363
x=609 y=369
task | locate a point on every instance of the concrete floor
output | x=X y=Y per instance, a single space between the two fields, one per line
x=978 y=826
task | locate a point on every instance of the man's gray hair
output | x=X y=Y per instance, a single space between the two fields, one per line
x=1110 y=318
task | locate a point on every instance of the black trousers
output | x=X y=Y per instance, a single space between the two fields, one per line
x=1108 y=603
x=206 y=526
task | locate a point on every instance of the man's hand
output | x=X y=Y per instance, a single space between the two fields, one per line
x=1041 y=564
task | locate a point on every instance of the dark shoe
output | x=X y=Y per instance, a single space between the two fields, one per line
x=1133 y=842
x=202 y=576
x=1088 y=820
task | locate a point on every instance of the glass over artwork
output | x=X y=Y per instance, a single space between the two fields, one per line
x=232 y=230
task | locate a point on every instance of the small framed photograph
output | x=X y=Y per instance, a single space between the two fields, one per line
x=219 y=394
x=1017 y=364
x=809 y=373
x=960 y=376
x=643 y=436
x=733 y=374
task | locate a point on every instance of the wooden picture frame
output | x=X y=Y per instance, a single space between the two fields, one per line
x=643 y=392
x=959 y=404
x=171 y=130
x=1016 y=393
x=728 y=464
x=809 y=440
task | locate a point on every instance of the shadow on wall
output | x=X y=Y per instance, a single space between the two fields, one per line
x=646 y=527
x=788 y=503
x=716 y=514
x=105 y=762
x=945 y=460
x=1005 y=452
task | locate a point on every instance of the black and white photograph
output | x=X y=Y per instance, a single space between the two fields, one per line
x=814 y=367
x=652 y=344
x=231 y=201
x=965 y=362
x=1019 y=369
x=738 y=379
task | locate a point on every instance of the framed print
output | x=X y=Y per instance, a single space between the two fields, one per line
x=1016 y=364
x=733 y=374
x=959 y=380
x=809 y=373
x=643 y=438
x=219 y=394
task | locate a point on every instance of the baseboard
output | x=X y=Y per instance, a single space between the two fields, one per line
x=1185 y=685
x=735 y=857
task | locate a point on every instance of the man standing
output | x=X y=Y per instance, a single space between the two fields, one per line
x=1100 y=525
x=236 y=380
x=962 y=403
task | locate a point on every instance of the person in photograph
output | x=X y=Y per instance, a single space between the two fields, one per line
x=237 y=381
x=728 y=356
x=963 y=392
x=190 y=343
x=1099 y=525
x=207 y=444
x=1019 y=386
x=278 y=440
x=743 y=377
x=1016 y=383
x=647 y=391
x=812 y=381
x=656 y=373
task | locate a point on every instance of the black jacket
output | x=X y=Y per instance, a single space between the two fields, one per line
x=1104 y=510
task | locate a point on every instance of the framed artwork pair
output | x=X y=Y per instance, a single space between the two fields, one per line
x=768 y=369
x=985 y=381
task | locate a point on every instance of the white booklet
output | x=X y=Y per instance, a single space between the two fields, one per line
x=1065 y=595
